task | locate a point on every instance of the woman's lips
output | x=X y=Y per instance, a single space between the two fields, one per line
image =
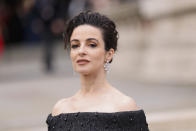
x=82 y=61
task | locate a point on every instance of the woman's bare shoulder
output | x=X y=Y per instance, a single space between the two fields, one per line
x=61 y=106
x=126 y=102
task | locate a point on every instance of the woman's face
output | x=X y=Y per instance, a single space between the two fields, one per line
x=88 y=54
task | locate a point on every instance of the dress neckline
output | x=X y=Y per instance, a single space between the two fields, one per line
x=94 y=112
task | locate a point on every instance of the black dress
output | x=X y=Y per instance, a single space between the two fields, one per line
x=98 y=121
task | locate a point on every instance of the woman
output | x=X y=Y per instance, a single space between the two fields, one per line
x=97 y=106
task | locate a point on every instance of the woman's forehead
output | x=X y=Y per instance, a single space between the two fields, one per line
x=85 y=32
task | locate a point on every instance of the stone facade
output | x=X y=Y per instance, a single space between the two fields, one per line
x=161 y=46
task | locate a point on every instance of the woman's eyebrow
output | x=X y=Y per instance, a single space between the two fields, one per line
x=89 y=39
x=74 y=40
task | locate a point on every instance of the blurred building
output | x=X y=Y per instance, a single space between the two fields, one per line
x=157 y=42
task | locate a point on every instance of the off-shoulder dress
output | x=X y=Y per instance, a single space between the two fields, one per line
x=98 y=121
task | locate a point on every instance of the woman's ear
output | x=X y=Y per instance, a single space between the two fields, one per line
x=109 y=55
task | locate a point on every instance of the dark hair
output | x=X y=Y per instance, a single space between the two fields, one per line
x=108 y=27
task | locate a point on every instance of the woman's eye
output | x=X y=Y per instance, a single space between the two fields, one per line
x=74 y=46
x=92 y=45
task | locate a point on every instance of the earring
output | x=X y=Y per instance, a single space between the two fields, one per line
x=106 y=66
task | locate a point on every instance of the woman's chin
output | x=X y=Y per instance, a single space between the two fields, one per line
x=83 y=72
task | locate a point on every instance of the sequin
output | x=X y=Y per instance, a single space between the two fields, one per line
x=76 y=114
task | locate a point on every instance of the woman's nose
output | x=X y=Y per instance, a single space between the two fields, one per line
x=82 y=50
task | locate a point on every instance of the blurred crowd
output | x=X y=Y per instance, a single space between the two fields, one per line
x=28 y=20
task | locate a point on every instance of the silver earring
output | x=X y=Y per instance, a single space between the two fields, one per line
x=106 y=66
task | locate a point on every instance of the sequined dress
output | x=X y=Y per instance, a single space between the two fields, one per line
x=98 y=121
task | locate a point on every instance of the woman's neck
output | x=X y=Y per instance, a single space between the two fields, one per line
x=93 y=84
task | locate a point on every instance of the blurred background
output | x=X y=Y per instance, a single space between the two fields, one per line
x=155 y=62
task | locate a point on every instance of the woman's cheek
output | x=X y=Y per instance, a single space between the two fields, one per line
x=99 y=58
